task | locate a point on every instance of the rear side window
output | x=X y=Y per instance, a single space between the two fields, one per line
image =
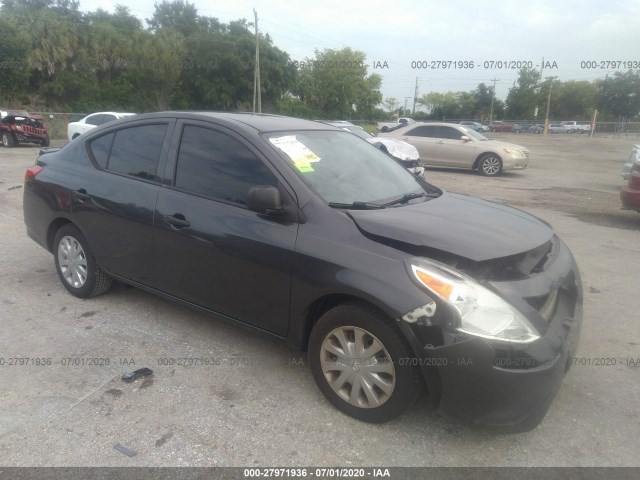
x=100 y=147
x=423 y=131
x=213 y=164
x=136 y=151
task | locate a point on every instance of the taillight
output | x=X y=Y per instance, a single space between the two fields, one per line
x=634 y=178
x=32 y=172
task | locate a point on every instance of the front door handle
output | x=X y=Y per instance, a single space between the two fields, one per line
x=177 y=220
x=82 y=195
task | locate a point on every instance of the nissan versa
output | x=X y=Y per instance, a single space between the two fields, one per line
x=311 y=234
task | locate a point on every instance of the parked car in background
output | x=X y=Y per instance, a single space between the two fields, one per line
x=403 y=152
x=634 y=157
x=452 y=145
x=535 y=128
x=306 y=233
x=578 y=127
x=75 y=129
x=630 y=194
x=499 y=126
x=19 y=126
x=478 y=127
x=386 y=126
x=559 y=128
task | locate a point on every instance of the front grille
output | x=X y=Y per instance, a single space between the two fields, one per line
x=32 y=130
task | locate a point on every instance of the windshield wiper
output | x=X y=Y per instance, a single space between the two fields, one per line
x=357 y=205
x=406 y=197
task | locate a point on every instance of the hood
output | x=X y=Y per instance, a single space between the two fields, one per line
x=396 y=148
x=498 y=144
x=464 y=226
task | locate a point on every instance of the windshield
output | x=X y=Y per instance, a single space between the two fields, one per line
x=477 y=135
x=358 y=132
x=343 y=169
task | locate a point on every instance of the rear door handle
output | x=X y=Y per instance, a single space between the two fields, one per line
x=177 y=220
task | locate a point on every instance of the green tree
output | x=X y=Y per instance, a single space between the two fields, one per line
x=391 y=104
x=336 y=84
x=523 y=97
x=574 y=100
x=620 y=95
x=178 y=15
x=14 y=70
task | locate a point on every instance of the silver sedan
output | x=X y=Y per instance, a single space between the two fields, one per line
x=451 y=145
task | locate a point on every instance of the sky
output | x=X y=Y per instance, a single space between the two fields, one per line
x=405 y=39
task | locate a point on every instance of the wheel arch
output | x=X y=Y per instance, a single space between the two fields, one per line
x=54 y=226
x=320 y=306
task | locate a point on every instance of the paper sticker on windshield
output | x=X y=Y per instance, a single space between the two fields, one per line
x=295 y=149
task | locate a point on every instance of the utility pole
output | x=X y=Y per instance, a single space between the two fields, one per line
x=415 y=98
x=546 y=118
x=493 y=94
x=404 y=112
x=256 y=73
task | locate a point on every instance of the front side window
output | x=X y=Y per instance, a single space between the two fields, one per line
x=450 y=133
x=215 y=165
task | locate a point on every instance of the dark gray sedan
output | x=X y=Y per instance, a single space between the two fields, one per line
x=304 y=232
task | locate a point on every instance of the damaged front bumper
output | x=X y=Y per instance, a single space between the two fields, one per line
x=504 y=385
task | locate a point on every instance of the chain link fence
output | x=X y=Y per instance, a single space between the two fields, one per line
x=57 y=123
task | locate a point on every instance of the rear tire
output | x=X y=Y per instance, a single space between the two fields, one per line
x=362 y=363
x=76 y=265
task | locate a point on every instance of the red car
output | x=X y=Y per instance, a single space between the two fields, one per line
x=630 y=195
x=18 y=126
x=499 y=126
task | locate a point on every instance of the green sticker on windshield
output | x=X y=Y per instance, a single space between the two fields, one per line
x=303 y=166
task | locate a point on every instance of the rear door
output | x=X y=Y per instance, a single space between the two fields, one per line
x=115 y=202
x=423 y=138
x=210 y=249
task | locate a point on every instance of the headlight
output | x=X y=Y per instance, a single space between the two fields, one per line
x=511 y=151
x=477 y=309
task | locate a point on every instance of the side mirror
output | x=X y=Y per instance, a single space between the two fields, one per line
x=264 y=199
x=465 y=138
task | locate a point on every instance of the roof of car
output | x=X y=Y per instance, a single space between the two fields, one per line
x=262 y=122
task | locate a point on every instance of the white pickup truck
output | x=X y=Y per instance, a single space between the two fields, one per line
x=386 y=126
x=578 y=127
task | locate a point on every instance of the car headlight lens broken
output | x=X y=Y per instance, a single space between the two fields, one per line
x=477 y=309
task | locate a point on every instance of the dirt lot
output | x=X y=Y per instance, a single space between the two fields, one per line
x=259 y=405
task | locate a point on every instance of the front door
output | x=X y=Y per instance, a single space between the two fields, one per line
x=210 y=249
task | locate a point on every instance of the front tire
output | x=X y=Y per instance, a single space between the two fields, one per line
x=76 y=265
x=362 y=363
x=490 y=165
x=8 y=140
x=45 y=142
